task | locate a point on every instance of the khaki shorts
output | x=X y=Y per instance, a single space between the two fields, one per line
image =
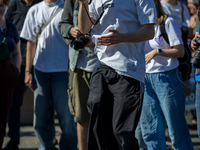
x=78 y=94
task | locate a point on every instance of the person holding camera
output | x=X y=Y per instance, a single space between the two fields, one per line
x=118 y=29
x=164 y=96
x=82 y=61
x=195 y=43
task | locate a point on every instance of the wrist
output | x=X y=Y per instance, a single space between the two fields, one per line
x=159 y=51
x=27 y=71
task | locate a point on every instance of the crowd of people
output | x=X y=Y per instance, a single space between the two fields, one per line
x=113 y=71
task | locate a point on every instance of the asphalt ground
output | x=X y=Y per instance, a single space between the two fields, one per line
x=28 y=140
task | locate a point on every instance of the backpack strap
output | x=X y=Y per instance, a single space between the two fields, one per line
x=49 y=20
x=163 y=31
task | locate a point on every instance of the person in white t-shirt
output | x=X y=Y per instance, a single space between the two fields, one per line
x=117 y=86
x=164 y=97
x=48 y=53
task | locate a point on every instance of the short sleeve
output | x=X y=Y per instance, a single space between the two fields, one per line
x=146 y=11
x=173 y=31
x=29 y=32
x=92 y=11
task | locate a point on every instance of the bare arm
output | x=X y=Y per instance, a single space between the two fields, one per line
x=83 y=19
x=143 y=34
x=16 y=55
x=176 y=52
x=30 y=53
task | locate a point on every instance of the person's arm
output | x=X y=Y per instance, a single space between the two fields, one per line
x=16 y=56
x=84 y=21
x=30 y=53
x=146 y=32
x=66 y=23
x=176 y=52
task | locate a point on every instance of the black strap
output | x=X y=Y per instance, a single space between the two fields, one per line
x=163 y=31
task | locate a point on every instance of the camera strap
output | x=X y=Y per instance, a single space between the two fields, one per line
x=49 y=20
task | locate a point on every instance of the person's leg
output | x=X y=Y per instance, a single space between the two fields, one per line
x=82 y=133
x=172 y=101
x=9 y=77
x=100 y=105
x=59 y=86
x=43 y=110
x=152 y=121
x=197 y=103
x=14 y=113
x=128 y=99
x=78 y=95
x=138 y=135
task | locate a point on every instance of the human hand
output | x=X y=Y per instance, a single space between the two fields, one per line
x=75 y=32
x=90 y=43
x=114 y=38
x=28 y=80
x=194 y=45
x=149 y=56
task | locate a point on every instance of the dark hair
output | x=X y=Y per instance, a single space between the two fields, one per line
x=6 y=2
x=161 y=15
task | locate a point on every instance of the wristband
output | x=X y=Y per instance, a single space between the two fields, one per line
x=159 y=51
x=27 y=71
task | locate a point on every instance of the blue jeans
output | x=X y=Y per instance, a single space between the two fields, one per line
x=50 y=95
x=197 y=103
x=14 y=113
x=164 y=103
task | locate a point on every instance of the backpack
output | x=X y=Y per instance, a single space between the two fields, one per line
x=184 y=62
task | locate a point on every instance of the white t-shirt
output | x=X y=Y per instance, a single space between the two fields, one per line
x=160 y=63
x=126 y=16
x=175 y=11
x=51 y=52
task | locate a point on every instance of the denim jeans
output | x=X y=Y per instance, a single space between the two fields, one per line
x=164 y=103
x=50 y=95
x=197 y=103
x=14 y=113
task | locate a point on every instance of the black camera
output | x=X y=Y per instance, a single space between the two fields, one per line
x=196 y=59
x=80 y=42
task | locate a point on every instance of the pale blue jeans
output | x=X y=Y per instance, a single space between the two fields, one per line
x=164 y=103
x=50 y=95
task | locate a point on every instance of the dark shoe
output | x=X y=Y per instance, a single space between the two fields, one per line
x=11 y=146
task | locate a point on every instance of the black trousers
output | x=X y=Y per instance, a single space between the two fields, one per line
x=8 y=80
x=115 y=103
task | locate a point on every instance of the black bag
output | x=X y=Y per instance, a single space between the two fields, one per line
x=184 y=62
x=4 y=45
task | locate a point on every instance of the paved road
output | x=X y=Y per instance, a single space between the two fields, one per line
x=30 y=142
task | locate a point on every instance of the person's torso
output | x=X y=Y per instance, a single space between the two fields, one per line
x=161 y=63
x=124 y=16
x=51 y=52
x=85 y=58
